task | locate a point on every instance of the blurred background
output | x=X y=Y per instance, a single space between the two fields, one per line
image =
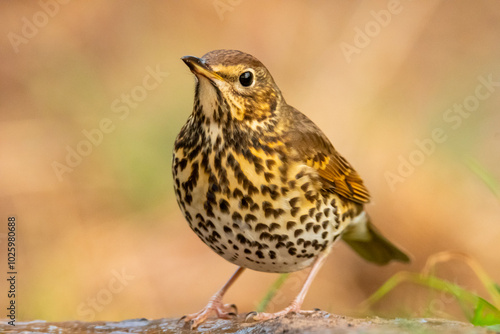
x=92 y=95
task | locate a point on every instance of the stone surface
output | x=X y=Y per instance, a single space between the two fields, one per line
x=318 y=322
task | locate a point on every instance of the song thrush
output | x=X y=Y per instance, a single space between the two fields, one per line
x=261 y=184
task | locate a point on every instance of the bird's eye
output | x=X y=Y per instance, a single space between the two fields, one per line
x=246 y=79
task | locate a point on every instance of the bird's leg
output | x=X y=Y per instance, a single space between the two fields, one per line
x=215 y=305
x=296 y=304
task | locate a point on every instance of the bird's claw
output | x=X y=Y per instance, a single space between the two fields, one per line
x=222 y=311
x=234 y=307
x=290 y=310
x=250 y=316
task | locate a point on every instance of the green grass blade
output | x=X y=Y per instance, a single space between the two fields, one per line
x=477 y=310
x=387 y=287
x=491 y=286
x=480 y=171
x=271 y=292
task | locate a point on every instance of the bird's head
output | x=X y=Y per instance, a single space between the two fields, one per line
x=233 y=85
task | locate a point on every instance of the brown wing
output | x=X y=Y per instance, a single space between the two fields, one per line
x=335 y=172
x=343 y=179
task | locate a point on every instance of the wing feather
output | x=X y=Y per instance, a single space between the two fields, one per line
x=311 y=144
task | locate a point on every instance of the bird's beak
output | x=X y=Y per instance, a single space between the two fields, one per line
x=198 y=67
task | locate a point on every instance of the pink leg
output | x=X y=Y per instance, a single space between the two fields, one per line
x=215 y=305
x=297 y=302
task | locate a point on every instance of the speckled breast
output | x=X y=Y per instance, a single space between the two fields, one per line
x=252 y=209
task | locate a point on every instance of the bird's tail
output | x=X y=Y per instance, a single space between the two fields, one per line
x=362 y=236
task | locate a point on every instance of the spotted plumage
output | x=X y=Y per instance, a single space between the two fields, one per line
x=259 y=182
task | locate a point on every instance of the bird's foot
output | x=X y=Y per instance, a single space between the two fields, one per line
x=215 y=305
x=292 y=309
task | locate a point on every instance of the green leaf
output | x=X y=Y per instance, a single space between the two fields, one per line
x=485 y=314
x=477 y=310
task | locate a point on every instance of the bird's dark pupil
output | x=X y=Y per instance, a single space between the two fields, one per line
x=246 y=78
